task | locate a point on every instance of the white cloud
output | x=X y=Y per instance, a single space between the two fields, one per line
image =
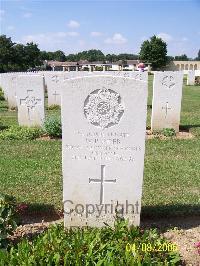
x=73 y=24
x=96 y=33
x=61 y=34
x=117 y=38
x=10 y=28
x=72 y=33
x=37 y=38
x=27 y=15
x=53 y=37
x=165 y=36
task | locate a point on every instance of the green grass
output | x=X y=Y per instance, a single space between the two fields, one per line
x=31 y=170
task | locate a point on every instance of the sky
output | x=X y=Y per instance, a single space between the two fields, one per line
x=115 y=26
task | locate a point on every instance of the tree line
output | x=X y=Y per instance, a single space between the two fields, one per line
x=20 y=57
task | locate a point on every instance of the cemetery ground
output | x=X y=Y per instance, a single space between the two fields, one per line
x=30 y=170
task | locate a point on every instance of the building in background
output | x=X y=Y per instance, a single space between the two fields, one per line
x=84 y=65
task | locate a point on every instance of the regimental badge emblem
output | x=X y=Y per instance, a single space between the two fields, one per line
x=103 y=108
x=168 y=81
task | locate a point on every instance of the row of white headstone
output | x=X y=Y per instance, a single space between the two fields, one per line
x=103 y=137
x=26 y=92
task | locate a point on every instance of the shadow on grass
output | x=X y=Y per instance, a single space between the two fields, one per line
x=161 y=215
x=169 y=216
x=3 y=127
x=187 y=128
x=36 y=213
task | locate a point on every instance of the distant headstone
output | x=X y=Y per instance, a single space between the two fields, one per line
x=166 y=104
x=103 y=143
x=132 y=74
x=4 y=84
x=129 y=74
x=53 y=82
x=11 y=83
x=191 y=77
x=30 y=100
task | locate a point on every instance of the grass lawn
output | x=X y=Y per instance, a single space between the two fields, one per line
x=31 y=170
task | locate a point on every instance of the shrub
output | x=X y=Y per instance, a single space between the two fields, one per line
x=2 y=98
x=2 y=126
x=54 y=107
x=98 y=68
x=197 y=81
x=20 y=133
x=150 y=73
x=52 y=126
x=91 y=246
x=7 y=218
x=169 y=132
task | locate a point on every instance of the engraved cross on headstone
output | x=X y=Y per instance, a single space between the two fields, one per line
x=55 y=94
x=166 y=108
x=102 y=181
x=30 y=102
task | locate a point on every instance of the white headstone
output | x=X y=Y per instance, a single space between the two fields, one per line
x=53 y=82
x=103 y=138
x=4 y=84
x=166 y=104
x=30 y=100
x=191 y=77
x=11 y=90
x=131 y=74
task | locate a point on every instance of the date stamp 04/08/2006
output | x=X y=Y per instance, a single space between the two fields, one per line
x=148 y=247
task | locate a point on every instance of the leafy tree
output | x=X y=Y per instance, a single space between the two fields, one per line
x=154 y=52
x=59 y=56
x=71 y=57
x=19 y=58
x=182 y=57
x=44 y=55
x=90 y=55
x=127 y=57
x=32 y=55
x=6 y=53
x=95 y=55
x=169 y=59
x=198 y=56
x=111 y=57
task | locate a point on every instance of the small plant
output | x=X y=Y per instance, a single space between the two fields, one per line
x=93 y=246
x=98 y=68
x=150 y=73
x=52 y=126
x=54 y=107
x=197 y=81
x=169 y=132
x=197 y=246
x=2 y=98
x=7 y=218
x=20 y=133
x=2 y=126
